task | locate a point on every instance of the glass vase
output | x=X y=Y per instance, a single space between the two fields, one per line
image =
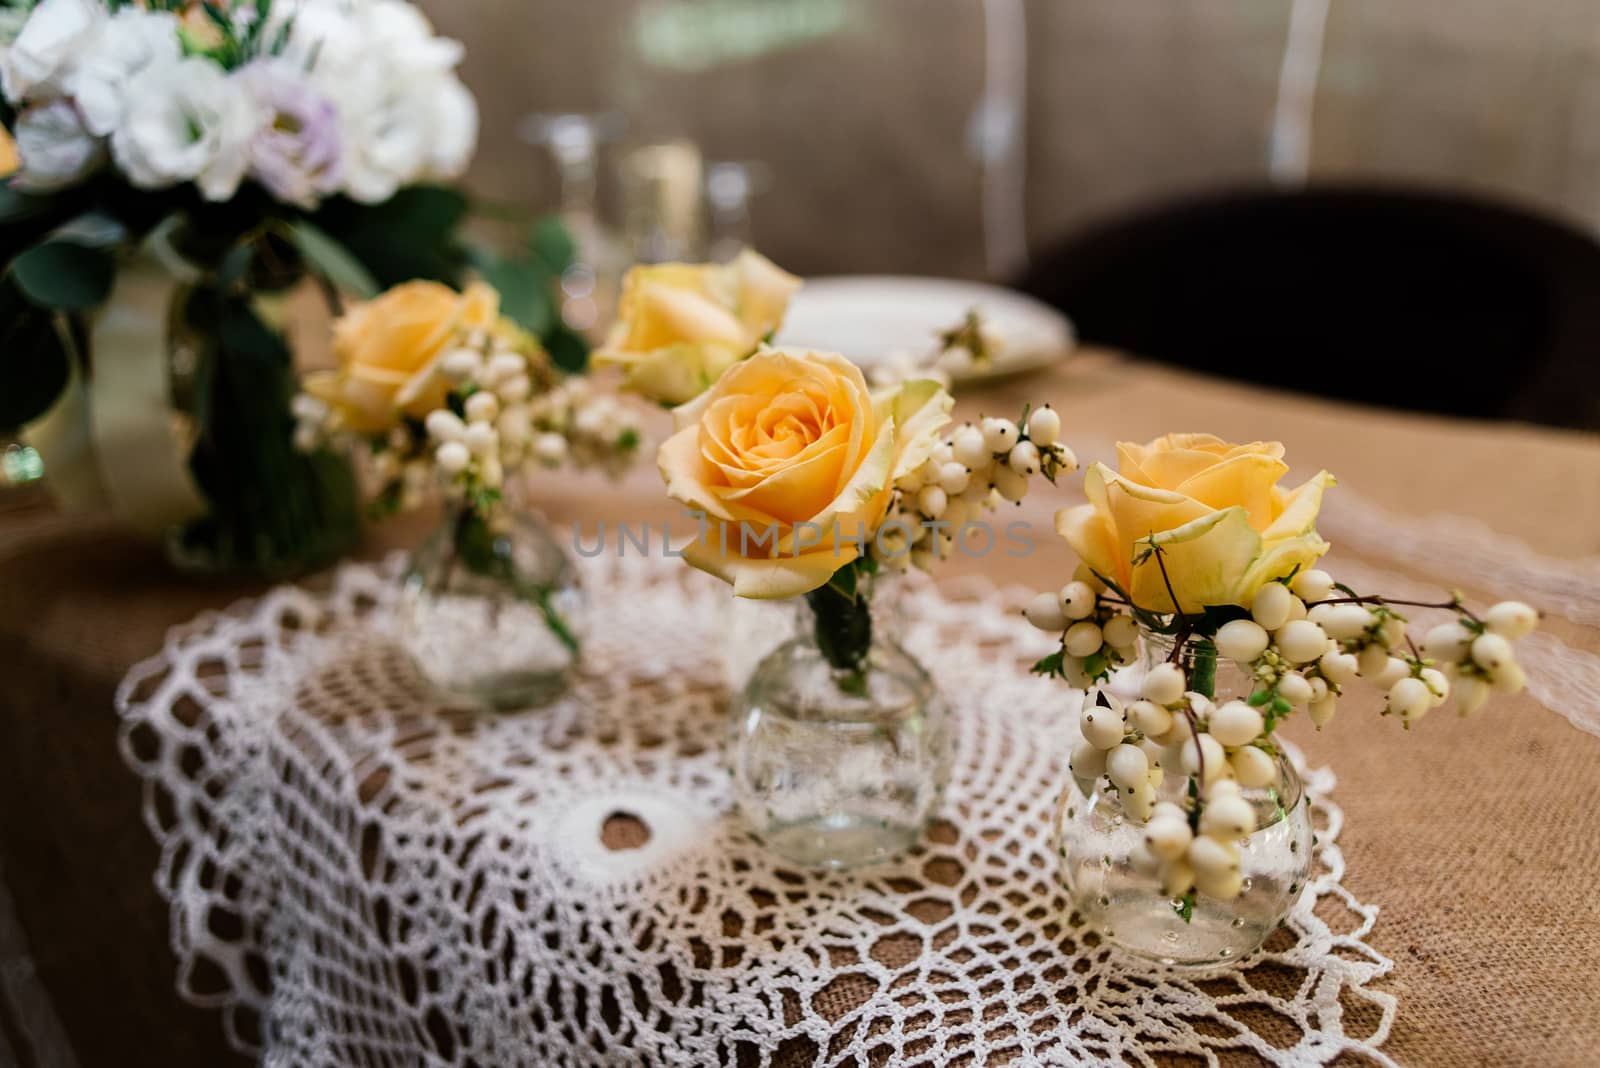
x=840 y=744
x=1105 y=868
x=492 y=611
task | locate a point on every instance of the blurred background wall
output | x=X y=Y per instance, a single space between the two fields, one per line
x=862 y=111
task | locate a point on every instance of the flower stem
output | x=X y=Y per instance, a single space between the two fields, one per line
x=842 y=626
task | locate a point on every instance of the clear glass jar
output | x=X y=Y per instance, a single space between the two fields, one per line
x=1098 y=843
x=834 y=767
x=494 y=617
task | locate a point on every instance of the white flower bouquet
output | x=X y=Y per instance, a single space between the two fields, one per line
x=234 y=148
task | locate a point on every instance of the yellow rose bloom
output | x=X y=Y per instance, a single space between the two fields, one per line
x=680 y=325
x=10 y=161
x=1223 y=523
x=388 y=350
x=792 y=459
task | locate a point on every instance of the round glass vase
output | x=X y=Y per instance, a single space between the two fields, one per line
x=836 y=766
x=1105 y=870
x=491 y=610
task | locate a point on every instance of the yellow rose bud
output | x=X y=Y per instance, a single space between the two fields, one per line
x=390 y=349
x=792 y=460
x=681 y=325
x=1224 y=525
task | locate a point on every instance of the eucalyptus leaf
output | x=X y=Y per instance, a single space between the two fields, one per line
x=34 y=362
x=567 y=348
x=333 y=261
x=64 y=275
x=552 y=242
x=524 y=293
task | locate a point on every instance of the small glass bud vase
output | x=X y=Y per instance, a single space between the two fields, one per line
x=1116 y=889
x=841 y=742
x=491 y=610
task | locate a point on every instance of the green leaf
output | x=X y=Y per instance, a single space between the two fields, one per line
x=34 y=362
x=64 y=275
x=333 y=261
x=552 y=242
x=1259 y=698
x=567 y=348
x=844 y=581
x=524 y=294
x=1053 y=665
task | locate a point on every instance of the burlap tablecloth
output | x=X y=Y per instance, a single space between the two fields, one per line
x=1474 y=837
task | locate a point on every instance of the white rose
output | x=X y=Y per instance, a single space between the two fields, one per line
x=400 y=32
x=55 y=149
x=386 y=135
x=192 y=122
x=130 y=41
x=55 y=30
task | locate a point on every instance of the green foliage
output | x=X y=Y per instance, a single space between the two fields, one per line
x=842 y=624
x=333 y=261
x=63 y=275
x=34 y=361
x=411 y=235
x=1052 y=666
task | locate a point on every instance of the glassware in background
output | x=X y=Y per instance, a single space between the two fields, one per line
x=575 y=142
x=21 y=473
x=730 y=186
x=662 y=192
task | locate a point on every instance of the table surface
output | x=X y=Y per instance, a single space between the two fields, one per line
x=1474 y=837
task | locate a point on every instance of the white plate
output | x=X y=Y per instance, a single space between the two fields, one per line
x=868 y=317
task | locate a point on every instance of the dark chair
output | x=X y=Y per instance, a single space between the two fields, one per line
x=1420 y=300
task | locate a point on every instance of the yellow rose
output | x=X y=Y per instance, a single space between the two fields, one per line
x=680 y=325
x=1223 y=523
x=388 y=349
x=10 y=161
x=792 y=460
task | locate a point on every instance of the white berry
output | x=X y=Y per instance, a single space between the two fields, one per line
x=1224 y=886
x=1511 y=619
x=481 y=438
x=1178 y=880
x=550 y=447
x=1242 y=640
x=1207 y=746
x=1088 y=761
x=452 y=457
x=1100 y=726
x=1339 y=668
x=1121 y=631
x=1470 y=695
x=1044 y=612
x=1448 y=642
x=1235 y=723
x=1312 y=585
x=1322 y=711
x=1409 y=699
x=954 y=478
x=1163 y=684
x=1077 y=600
x=444 y=425
x=1344 y=622
x=1301 y=641
x=1490 y=651
x=1437 y=684
x=1044 y=426
x=1167 y=837
x=482 y=407
x=1271 y=607
x=1127 y=765
x=1253 y=767
x=1083 y=639
x=1510 y=678
x=932 y=501
x=1228 y=816
x=1296 y=688
x=999 y=435
x=1372 y=661
x=1210 y=856
x=967 y=447
x=1024 y=459
x=1150 y=718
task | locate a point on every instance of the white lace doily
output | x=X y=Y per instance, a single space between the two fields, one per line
x=360 y=875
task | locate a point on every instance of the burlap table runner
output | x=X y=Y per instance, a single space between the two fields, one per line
x=1473 y=837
